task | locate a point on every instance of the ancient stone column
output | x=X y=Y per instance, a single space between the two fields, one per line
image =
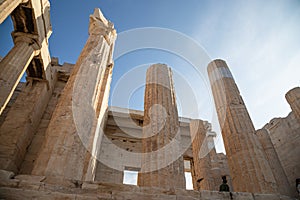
x=274 y=162
x=13 y=66
x=249 y=169
x=162 y=163
x=76 y=121
x=201 y=156
x=293 y=98
x=6 y=8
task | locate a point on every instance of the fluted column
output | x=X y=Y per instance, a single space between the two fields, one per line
x=68 y=146
x=249 y=169
x=201 y=156
x=274 y=162
x=293 y=98
x=12 y=67
x=6 y=8
x=162 y=164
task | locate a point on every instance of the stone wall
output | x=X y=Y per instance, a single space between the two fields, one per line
x=284 y=133
x=12 y=100
x=61 y=75
x=123 y=130
x=31 y=107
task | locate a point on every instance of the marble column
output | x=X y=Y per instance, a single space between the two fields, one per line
x=201 y=156
x=13 y=66
x=6 y=8
x=249 y=168
x=293 y=98
x=67 y=150
x=274 y=162
x=162 y=164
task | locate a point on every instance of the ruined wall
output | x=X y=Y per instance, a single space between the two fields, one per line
x=284 y=133
x=31 y=107
x=219 y=168
x=61 y=75
x=12 y=100
x=209 y=166
x=124 y=129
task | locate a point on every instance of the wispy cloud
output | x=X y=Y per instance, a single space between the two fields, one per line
x=260 y=42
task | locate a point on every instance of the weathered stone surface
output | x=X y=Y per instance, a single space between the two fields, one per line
x=39 y=134
x=4 y=175
x=30 y=178
x=293 y=98
x=38 y=128
x=242 y=196
x=67 y=149
x=32 y=188
x=187 y=194
x=284 y=133
x=32 y=29
x=276 y=167
x=26 y=112
x=249 y=169
x=6 y=7
x=266 y=197
x=207 y=195
x=201 y=156
x=12 y=67
x=162 y=162
x=11 y=102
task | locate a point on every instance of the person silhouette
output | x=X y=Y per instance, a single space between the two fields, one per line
x=224 y=186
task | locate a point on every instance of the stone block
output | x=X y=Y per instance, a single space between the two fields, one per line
x=60 y=182
x=9 y=183
x=266 y=197
x=88 y=186
x=242 y=196
x=82 y=197
x=215 y=195
x=105 y=187
x=182 y=197
x=5 y=175
x=286 y=198
x=30 y=185
x=141 y=196
x=30 y=178
x=187 y=194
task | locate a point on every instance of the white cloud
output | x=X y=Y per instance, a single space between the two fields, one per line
x=260 y=42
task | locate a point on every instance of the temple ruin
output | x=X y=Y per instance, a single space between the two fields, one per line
x=59 y=139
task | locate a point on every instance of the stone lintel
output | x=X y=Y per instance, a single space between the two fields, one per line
x=6 y=7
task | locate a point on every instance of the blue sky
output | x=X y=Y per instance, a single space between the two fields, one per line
x=258 y=39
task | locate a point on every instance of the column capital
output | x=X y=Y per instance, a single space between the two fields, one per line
x=99 y=25
x=31 y=39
